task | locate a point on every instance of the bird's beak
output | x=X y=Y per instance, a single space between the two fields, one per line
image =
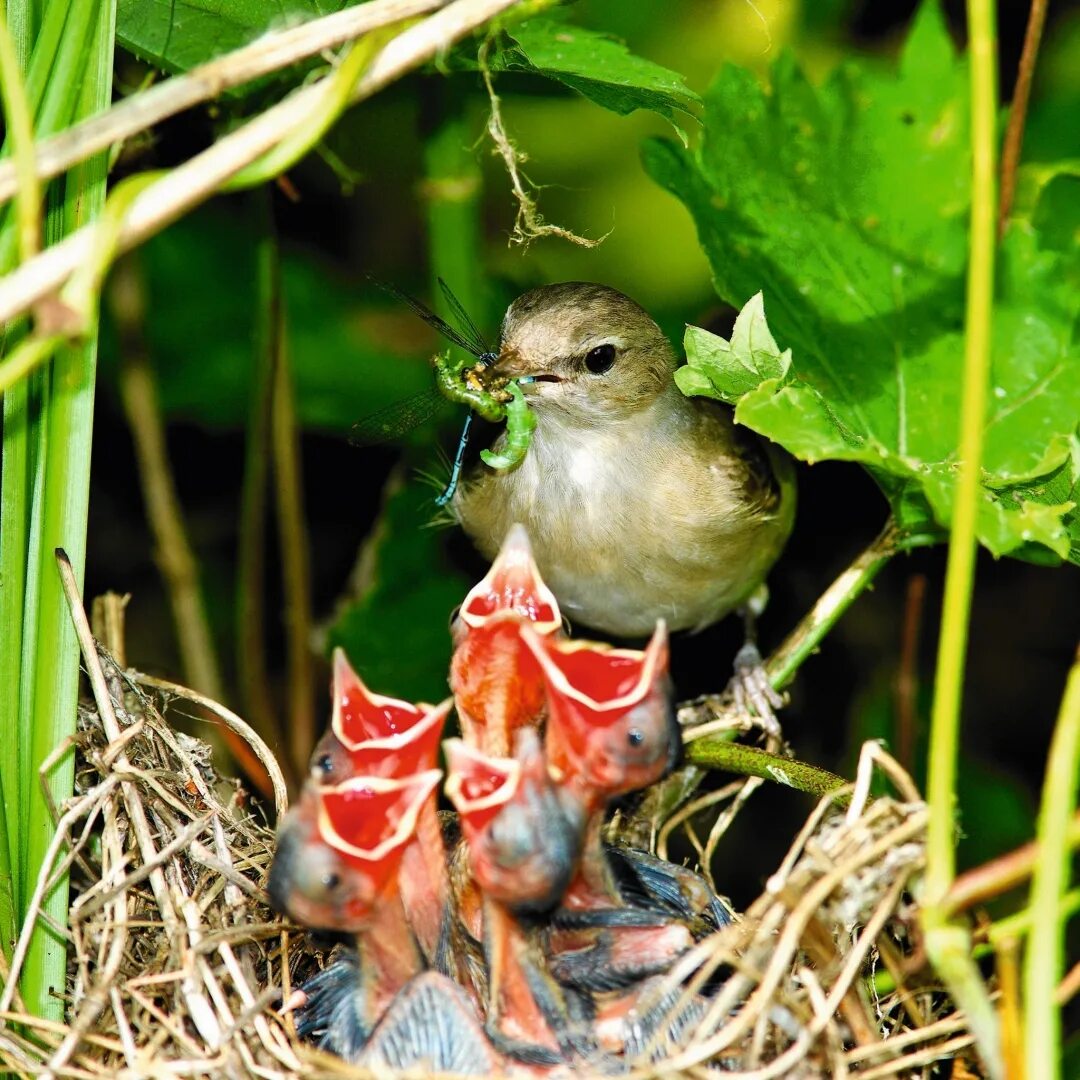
x=513 y=585
x=512 y=364
x=358 y=714
x=370 y=820
x=478 y=785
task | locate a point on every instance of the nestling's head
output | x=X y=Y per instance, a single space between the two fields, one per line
x=591 y=351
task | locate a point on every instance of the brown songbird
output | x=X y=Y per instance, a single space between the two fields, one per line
x=641 y=503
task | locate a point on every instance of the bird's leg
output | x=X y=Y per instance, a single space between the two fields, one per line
x=750 y=688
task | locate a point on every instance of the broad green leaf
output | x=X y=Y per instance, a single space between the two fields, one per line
x=397 y=633
x=846 y=206
x=177 y=35
x=597 y=67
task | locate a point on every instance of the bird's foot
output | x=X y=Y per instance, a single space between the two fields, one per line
x=752 y=693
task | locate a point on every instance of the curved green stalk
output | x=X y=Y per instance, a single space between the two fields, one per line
x=1044 y=963
x=335 y=100
x=948 y=944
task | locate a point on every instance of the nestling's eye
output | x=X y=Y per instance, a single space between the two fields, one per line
x=601 y=358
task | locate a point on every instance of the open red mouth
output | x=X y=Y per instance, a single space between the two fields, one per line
x=513 y=586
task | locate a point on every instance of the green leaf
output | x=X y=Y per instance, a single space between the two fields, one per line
x=177 y=35
x=846 y=206
x=397 y=632
x=598 y=68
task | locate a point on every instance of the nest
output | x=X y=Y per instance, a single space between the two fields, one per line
x=178 y=967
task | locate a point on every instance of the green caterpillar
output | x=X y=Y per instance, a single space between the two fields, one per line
x=520 y=424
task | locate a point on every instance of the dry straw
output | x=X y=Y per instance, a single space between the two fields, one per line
x=177 y=966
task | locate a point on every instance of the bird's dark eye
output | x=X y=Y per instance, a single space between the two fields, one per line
x=601 y=358
x=325 y=764
x=331 y=880
x=635 y=736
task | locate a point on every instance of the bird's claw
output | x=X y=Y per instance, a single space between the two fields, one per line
x=751 y=691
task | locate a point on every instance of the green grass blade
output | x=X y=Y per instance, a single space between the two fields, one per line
x=82 y=86
x=1045 y=961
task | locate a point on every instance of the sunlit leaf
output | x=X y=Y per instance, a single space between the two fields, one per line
x=846 y=207
x=177 y=35
x=599 y=68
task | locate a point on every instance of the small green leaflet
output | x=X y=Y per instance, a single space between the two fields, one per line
x=598 y=68
x=846 y=206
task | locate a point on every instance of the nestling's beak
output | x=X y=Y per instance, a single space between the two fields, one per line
x=513 y=585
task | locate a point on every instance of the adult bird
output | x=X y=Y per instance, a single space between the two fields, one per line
x=641 y=503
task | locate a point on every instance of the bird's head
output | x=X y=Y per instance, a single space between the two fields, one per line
x=339 y=848
x=585 y=350
x=611 y=727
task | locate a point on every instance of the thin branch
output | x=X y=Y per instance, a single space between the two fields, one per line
x=271 y=52
x=802 y=642
x=172 y=550
x=292 y=528
x=196 y=180
x=906 y=688
x=251 y=663
x=1014 y=132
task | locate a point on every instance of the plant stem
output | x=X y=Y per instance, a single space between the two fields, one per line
x=173 y=554
x=175 y=558
x=1014 y=131
x=803 y=641
x=750 y=761
x=1006 y=872
x=947 y=944
x=251 y=664
x=82 y=76
x=270 y=52
x=20 y=125
x=1045 y=960
x=292 y=527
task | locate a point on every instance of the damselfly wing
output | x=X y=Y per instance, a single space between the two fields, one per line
x=394 y=420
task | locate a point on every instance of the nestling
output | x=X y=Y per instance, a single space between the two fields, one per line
x=641 y=504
